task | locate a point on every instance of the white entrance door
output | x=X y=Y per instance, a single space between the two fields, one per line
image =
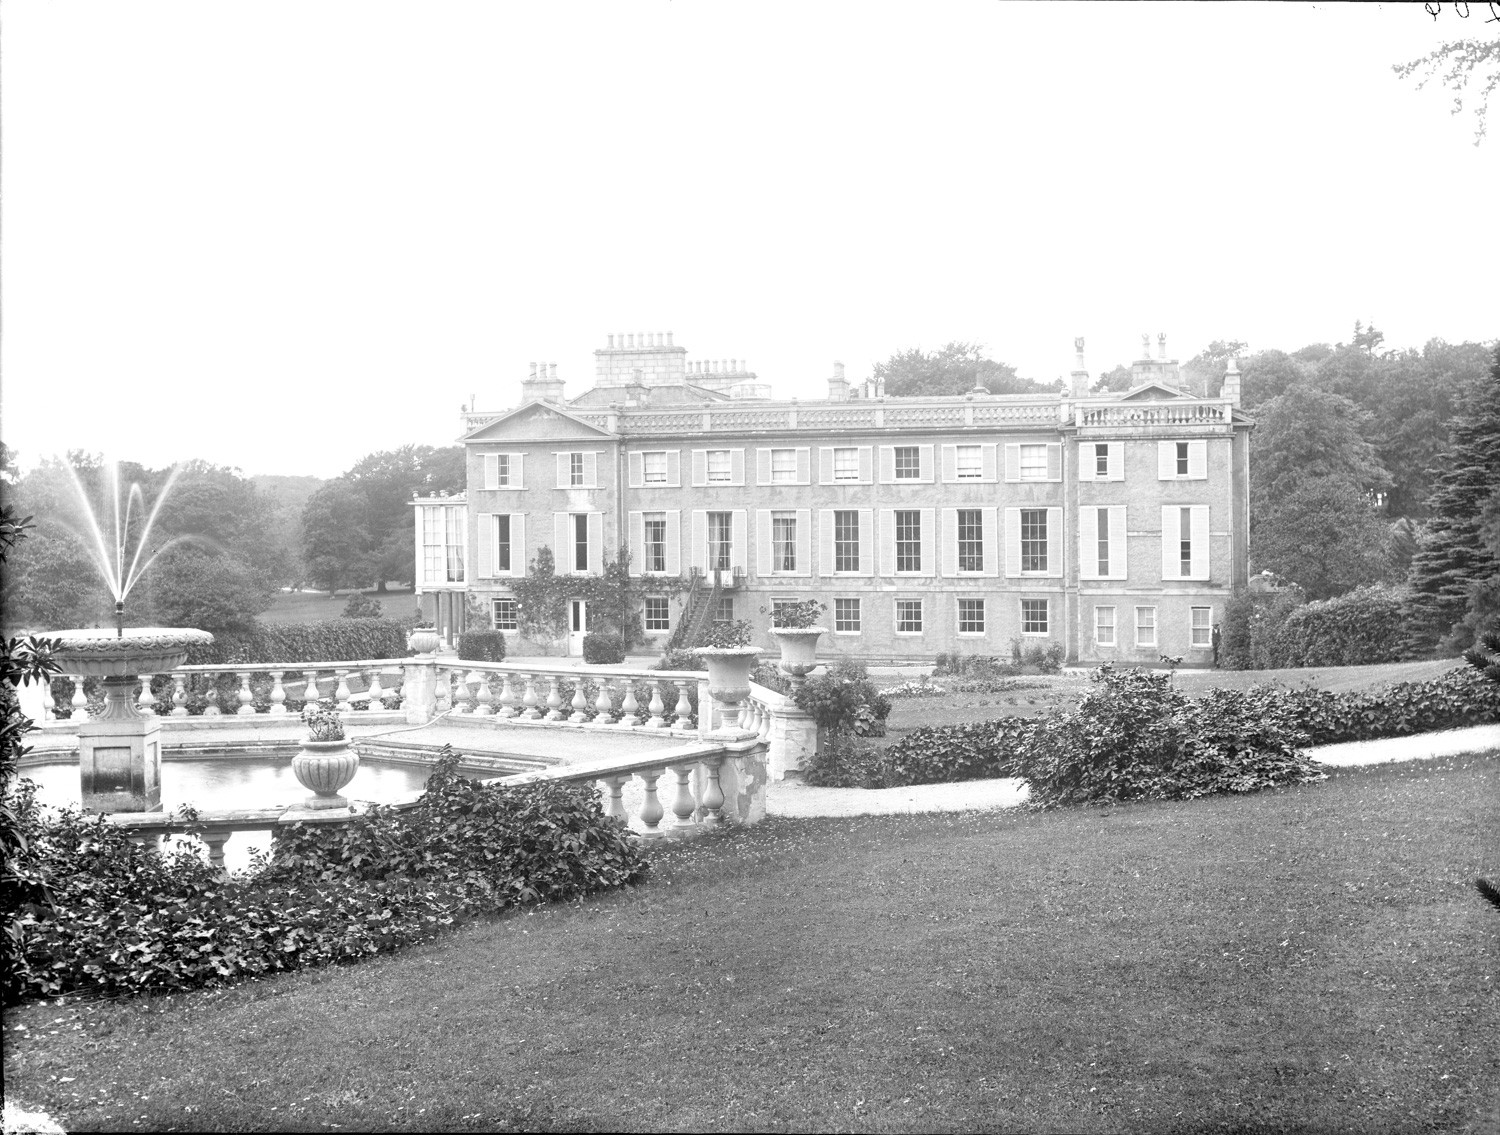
x=578 y=626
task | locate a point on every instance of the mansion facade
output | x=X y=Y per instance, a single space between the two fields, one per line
x=1113 y=525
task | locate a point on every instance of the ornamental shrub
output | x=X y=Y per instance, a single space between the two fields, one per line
x=361 y=606
x=941 y=754
x=482 y=646
x=734 y=632
x=99 y=913
x=602 y=649
x=844 y=705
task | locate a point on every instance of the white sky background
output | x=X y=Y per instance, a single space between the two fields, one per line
x=280 y=236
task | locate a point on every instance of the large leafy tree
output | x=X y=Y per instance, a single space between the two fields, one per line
x=1314 y=486
x=1455 y=567
x=955 y=369
x=371 y=543
x=1205 y=370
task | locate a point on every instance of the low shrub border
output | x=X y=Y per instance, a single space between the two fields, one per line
x=100 y=914
x=1137 y=736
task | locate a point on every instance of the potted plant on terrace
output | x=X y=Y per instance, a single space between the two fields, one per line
x=727 y=653
x=326 y=763
x=795 y=628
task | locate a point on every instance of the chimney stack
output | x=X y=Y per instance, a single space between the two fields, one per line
x=1231 y=388
x=542 y=384
x=1079 y=379
x=1161 y=345
x=838 y=385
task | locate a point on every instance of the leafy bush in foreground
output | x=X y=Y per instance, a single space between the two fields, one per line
x=105 y=915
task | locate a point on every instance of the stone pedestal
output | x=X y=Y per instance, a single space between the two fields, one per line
x=119 y=754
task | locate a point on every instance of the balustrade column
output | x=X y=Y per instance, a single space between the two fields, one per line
x=651 y=810
x=376 y=694
x=508 y=697
x=614 y=806
x=684 y=805
x=554 y=700
x=80 y=700
x=343 y=693
x=463 y=701
x=278 y=694
x=656 y=721
x=603 y=706
x=484 y=696
x=245 y=695
x=216 y=838
x=211 y=698
x=49 y=703
x=532 y=711
x=444 y=693
x=713 y=793
x=147 y=699
x=629 y=705
x=580 y=704
x=684 y=708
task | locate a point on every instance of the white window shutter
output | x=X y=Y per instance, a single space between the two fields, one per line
x=596 y=543
x=1012 y=540
x=825 y=465
x=591 y=470
x=950 y=534
x=637 y=543
x=804 y=465
x=736 y=466
x=517 y=470
x=990 y=517
x=826 y=560
x=1199 y=522
x=1118 y=561
x=698 y=553
x=1116 y=461
x=1198 y=460
x=950 y=463
x=674 y=468
x=987 y=459
x=1171 y=539
x=887 y=467
x=762 y=466
x=518 y=544
x=1166 y=461
x=674 y=541
x=804 y=541
x=700 y=468
x=762 y=540
x=867 y=541
x=562 y=470
x=1054 y=461
x=739 y=540
x=637 y=462
x=1088 y=538
x=1086 y=462
x=562 y=543
x=867 y=463
x=929 y=540
x=486 y=549
x=887 y=539
x=924 y=468
x=1055 y=550
x=491 y=470
x=1012 y=463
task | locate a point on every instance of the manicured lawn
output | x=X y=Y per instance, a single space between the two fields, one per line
x=1312 y=959
x=315 y=606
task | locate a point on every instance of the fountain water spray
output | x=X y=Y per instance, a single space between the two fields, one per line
x=117 y=578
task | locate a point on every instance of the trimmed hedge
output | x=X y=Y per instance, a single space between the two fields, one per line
x=99 y=913
x=1136 y=736
x=482 y=646
x=1279 y=631
x=332 y=640
x=602 y=649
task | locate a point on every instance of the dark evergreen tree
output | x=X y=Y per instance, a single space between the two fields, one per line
x=1454 y=564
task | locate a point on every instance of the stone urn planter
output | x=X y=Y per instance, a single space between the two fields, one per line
x=323 y=768
x=799 y=651
x=729 y=677
x=423 y=640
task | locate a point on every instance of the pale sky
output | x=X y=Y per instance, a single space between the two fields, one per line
x=280 y=236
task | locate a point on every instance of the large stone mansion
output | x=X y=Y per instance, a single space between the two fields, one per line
x=1114 y=525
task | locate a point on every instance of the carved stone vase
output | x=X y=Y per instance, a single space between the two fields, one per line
x=799 y=651
x=323 y=768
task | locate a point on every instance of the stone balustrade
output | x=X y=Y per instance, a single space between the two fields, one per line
x=703 y=786
x=1183 y=412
